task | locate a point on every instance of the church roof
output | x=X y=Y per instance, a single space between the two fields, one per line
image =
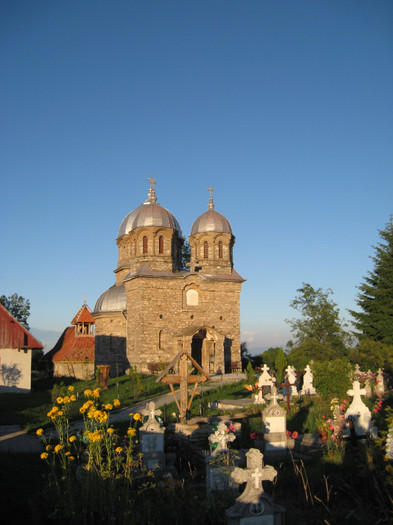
x=211 y=220
x=112 y=300
x=74 y=348
x=83 y=315
x=150 y=213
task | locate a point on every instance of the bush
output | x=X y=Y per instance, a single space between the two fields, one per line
x=332 y=378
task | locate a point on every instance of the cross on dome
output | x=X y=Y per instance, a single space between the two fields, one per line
x=151 y=196
x=211 y=203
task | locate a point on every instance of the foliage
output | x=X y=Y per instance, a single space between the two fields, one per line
x=375 y=299
x=319 y=333
x=280 y=364
x=250 y=373
x=269 y=356
x=372 y=355
x=17 y=306
x=332 y=378
x=185 y=256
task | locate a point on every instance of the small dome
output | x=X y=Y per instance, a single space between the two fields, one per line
x=211 y=220
x=113 y=300
x=150 y=213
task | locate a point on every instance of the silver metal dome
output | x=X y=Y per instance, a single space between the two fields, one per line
x=113 y=300
x=150 y=213
x=211 y=220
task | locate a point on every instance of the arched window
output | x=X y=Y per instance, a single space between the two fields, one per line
x=205 y=250
x=161 y=244
x=145 y=244
x=192 y=297
x=220 y=250
x=161 y=339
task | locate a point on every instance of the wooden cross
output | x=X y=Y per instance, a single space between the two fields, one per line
x=183 y=379
x=287 y=385
x=253 y=475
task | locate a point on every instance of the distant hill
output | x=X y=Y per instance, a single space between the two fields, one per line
x=47 y=337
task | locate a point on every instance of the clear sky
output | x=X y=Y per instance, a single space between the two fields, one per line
x=284 y=107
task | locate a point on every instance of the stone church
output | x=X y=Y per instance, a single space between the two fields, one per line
x=156 y=307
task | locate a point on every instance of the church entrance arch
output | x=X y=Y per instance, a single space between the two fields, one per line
x=203 y=349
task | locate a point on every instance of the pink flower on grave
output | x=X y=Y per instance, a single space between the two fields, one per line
x=252 y=435
x=288 y=434
x=294 y=435
x=231 y=427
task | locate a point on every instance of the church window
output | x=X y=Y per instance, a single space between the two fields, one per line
x=161 y=339
x=192 y=297
x=161 y=244
x=220 y=251
x=205 y=250
x=145 y=244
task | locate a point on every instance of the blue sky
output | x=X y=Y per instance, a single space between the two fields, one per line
x=285 y=108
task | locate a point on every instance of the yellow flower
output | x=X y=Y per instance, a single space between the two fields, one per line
x=73 y=397
x=108 y=406
x=71 y=458
x=131 y=432
x=66 y=399
x=137 y=417
x=59 y=400
x=55 y=409
x=58 y=448
x=60 y=413
x=67 y=453
x=72 y=439
x=130 y=414
x=116 y=402
x=44 y=455
x=48 y=448
x=96 y=392
x=71 y=388
x=118 y=450
x=88 y=393
x=39 y=432
x=110 y=430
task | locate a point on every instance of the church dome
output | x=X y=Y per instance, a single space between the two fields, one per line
x=150 y=213
x=113 y=300
x=211 y=221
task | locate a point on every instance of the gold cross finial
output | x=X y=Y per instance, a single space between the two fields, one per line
x=151 y=196
x=211 y=203
x=152 y=182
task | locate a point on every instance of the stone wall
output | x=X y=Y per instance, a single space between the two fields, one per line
x=110 y=341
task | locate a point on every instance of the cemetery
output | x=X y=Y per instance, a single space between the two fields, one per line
x=233 y=452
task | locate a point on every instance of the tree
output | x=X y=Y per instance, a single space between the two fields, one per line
x=319 y=333
x=185 y=256
x=375 y=320
x=17 y=306
x=269 y=356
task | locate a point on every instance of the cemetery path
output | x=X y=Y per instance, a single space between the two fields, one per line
x=14 y=439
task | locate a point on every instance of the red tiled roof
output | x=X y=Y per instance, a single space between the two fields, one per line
x=13 y=334
x=83 y=315
x=74 y=347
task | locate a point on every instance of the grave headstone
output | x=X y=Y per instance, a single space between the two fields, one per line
x=219 y=469
x=274 y=419
x=265 y=383
x=308 y=387
x=358 y=412
x=254 y=506
x=357 y=374
x=291 y=376
x=380 y=385
x=367 y=384
x=151 y=436
x=220 y=438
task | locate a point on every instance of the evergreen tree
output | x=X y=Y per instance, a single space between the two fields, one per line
x=375 y=320
x=17 y=306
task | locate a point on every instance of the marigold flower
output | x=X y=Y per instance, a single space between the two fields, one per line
x=73 y=397
x=137 y=417
x=44 y=455
x=39 y=432
x=87 y=393
x=96 y=392
x=108 y=406
x=66 y=399
x=71 y=388
x=116 y=403
x=58 y=448
x=59 y=400
x=60 y=413
x=131 y=432
x=110 y=430
x=72 y=439
x=67 y=453
x=118 y=450
x=71 y=458
x=48 y=448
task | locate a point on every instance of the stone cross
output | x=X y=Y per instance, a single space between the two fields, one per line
x=151 y=412
x=274 y=396
x=380 y=386
x=308 y=387
x=221 y=436
x=357 y=372
x=253 y=475
x=358 y=411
